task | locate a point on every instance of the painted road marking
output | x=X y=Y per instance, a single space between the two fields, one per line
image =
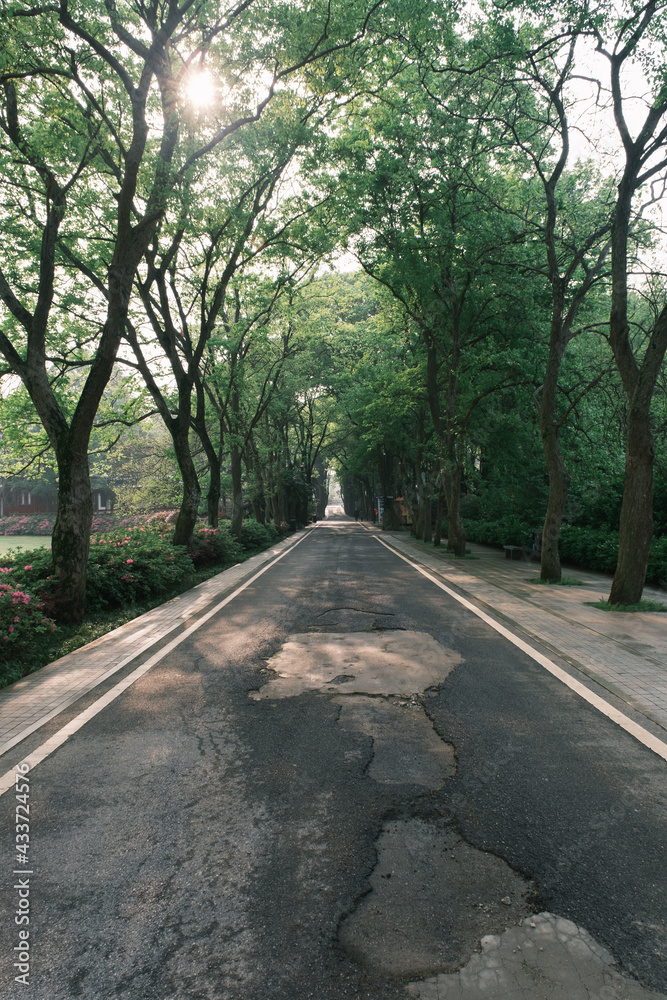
x=624 y=721
x=37 y=756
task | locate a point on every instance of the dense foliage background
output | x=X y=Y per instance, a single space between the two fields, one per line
x=415 y=243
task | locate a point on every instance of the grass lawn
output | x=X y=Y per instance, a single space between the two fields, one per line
x=8 y=542
x=644 y=605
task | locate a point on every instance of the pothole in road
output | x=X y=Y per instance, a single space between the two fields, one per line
x=432 y=897
x=545 y=958
x=387 y=663
x=377 y=680
x=356 y=620
x=406 y=749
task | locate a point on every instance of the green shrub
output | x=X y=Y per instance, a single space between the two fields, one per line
x=590 y=548
x=214 y=546
x=257 y=536
x=24 y=630
x=507 y=530
x=131 y=564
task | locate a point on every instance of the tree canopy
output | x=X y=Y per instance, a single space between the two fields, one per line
x=181 y=183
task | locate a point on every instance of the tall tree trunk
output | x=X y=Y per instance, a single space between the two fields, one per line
x=271 y=505
x=213 y=455
x=237 y=489
x=70 y=543
x=451 y=470
x=452 y=477
x=214 y=490
x=559 y=478
x=427 y=523
x=636 y=524
x=236 y=460
x=421 y=512
x=280 y=494
x=639 y=380
x=261 y=510
x=187 y=515
x=439 y=515
x=256 y=495
x=559 y=484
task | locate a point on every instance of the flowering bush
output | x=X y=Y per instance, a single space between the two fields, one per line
x=22 y=624
x=212 y=546
x=126 y=565
x=134 y=563
x=42 y=524
x=27 y=524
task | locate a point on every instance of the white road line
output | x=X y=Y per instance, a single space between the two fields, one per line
x=37 y=756
x=641 y=734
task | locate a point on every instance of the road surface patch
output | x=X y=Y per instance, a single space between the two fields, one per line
x=73 y=726
x=462 y=893
x=406 y=748
x=398 y=663
x=545 y=958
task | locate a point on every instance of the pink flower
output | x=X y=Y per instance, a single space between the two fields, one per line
x=11 y=628
x=129 y=560
x=27 y=567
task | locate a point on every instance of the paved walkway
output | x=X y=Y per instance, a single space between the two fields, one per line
x=625 y=653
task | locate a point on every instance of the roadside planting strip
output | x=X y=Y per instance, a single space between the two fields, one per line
x=37 y=756
x=631 y=727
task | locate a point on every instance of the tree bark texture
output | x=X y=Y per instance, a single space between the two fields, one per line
x=187 y=515
x=237 y=489
x=559 y=478
x=70 y=543
x=639 y=380
x=636 y=523
x=439 y=516
x=452 y=477
x=214 y=491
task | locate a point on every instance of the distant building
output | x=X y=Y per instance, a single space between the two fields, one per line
x=23 y=497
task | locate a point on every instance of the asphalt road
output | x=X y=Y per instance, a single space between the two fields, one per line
x=193 y=840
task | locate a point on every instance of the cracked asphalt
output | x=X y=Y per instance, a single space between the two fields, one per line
x=245 y=823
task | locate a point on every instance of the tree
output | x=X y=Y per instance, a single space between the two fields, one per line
x=527 y=99
x=98 y=135
x=639 y=35
x=192 y=286
x=422 y=229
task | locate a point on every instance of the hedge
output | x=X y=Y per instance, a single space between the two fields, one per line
x=589 y=548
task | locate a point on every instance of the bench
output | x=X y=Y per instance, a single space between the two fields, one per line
x=513 y=551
